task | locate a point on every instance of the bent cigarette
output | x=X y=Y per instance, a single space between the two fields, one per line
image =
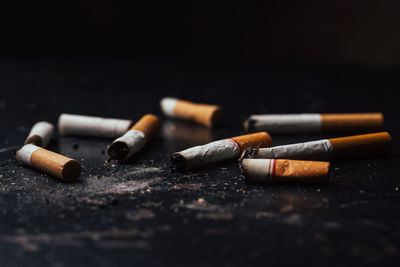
x=49 y=162
x=134 y=139
x=201 y=156
x=328 y=149
x=69 y=124
x=313 y=123
x=40 y=134
x=208 y=115
x=284 y=170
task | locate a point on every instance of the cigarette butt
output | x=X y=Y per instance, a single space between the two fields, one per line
x=328 y=149
x=314 y=123
x=208 y=115
x=49 y=162
x=69 y=124
x=217 y=151
x=361 y=145
x=285 y=171
x=134 y=139
x=40 y=134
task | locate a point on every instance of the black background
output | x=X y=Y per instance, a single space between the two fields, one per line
x=355 y=32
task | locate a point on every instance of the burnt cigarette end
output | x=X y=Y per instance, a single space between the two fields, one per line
x=71 y=171
x=248 y=124
x=117 y=150
x=178 y=161
x=35 y=140
x=248 y=153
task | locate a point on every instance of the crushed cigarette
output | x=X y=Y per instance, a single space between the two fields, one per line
x=327 y=149
x=202 y=156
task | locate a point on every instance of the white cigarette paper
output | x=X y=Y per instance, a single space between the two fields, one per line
x=24 y=154
x=69 y=124
x=315 y=150
x=40 y=134
x=259 y=170
x=168 y=105
x=285 y=123
x=204 y=155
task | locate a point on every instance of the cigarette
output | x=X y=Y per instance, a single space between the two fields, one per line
x=202 y=156
x=328 y=149
x=49 y=162
x=314 y=123
x=285 y=171
x=69 y=124
x=40 y=134
x=134 y=139
x=208 y=115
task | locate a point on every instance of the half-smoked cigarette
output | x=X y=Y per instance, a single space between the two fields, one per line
x=49 y=162
x=284 y=170
x=134 y=139
x=40 y=134
x=328 y=149
x=69 y=124
x=208 y=115
x=314 y=123
x=202 y=156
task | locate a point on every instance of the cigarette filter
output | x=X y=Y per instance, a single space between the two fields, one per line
x=284 y=170
x=49 y=162
x=313 y=123
x=69 y=124
x=40 y=134
x=208 y=115
x=328 y=149
x=201 y=156
x=134 y=139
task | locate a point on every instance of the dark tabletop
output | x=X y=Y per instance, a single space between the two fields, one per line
x=143 y=213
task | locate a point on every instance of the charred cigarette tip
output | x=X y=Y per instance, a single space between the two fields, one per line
x=177 y=161
x=248 y=124
x=34 y=139
x=117 y=150
x=135 y=139
x=248 y=153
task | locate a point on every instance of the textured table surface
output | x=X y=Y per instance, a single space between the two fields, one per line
x=145 y=214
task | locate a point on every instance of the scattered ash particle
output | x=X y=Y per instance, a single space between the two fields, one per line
x=75 y=146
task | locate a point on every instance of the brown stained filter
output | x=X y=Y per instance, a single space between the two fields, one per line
x=299 y=171
x=55 y=164
x=148 y=124
x=256 y=140
x=208 y=115
x=34 y=139
x=361 y=145
x=351 y=122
